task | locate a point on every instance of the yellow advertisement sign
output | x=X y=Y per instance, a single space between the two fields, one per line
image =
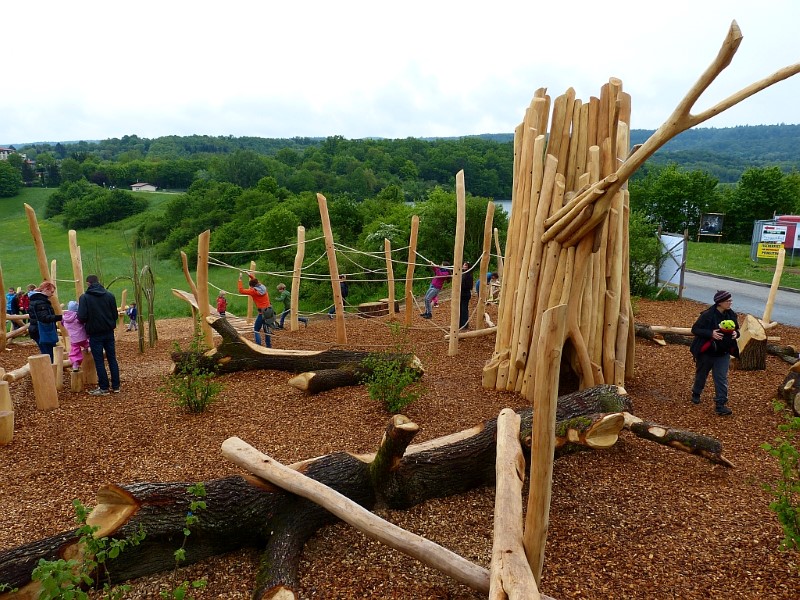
x=768 y=250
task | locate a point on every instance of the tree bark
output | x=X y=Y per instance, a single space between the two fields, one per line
x=245 y=511
x=237 y=354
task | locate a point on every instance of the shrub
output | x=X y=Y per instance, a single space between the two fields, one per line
x=786 y=490
x=192 y=385
x=391 y=378
x=645 y=255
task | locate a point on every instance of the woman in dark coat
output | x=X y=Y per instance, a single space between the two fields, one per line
x=467 y=283
x=43 y=318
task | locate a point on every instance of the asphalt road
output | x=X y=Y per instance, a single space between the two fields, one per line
x=748 y=297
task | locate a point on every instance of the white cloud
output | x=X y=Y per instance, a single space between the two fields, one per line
x=96 y=69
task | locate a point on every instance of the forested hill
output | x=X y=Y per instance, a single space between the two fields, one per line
x=723 y=152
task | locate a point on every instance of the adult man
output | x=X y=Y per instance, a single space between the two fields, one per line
x=97 y=310
x=712 y=348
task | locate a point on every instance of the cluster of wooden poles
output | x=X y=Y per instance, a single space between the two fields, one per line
x=567 y=247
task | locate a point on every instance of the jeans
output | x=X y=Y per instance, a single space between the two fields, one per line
x=718 y=365
x=463 y=313
x=285 y=313
x=429 y=296
x=257 y=327
x=98 y=343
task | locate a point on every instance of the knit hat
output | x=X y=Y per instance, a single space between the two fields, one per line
x=721 y=296
x=72 y=305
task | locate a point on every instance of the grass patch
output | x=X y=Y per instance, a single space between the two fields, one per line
x=733 y=260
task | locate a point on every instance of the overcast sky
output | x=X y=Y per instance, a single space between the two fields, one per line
x=97 y=69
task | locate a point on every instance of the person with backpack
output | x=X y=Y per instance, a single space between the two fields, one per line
x=266 y=315
x=713 y=345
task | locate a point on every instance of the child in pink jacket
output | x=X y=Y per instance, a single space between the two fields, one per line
x=78 y=339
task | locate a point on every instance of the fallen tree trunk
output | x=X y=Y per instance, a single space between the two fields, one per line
x=238 y=354
x=244 y=511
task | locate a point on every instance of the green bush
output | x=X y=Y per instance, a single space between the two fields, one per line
x=645 y=255
x=192 y=386
x=786 y=490
x=391 y=378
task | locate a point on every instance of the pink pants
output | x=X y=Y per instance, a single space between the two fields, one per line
x=75 y=352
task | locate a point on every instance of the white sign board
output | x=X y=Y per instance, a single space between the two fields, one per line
x=671 y=272
x=773 y=233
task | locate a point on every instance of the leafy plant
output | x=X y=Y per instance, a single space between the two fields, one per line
x=67 y=579
x=180 y=591
x=192 y=385
x=786 y=490
x=391 y=378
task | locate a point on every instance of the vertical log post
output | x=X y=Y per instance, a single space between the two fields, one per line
x=189 y=280
x=294 y=323
x=773 y=290
x=250 y=303
x=88 y=369
x=499 y=253
x=510 y=575
x=44 y=385
x=483 y=288
x=458 y=259
x=412 y=263
x=3 y=309
x=338 y=301
x=544 y=397
x=123 y=303
x=387 y=251
x=203 y=243
x=77 y=262
x=6 y=414
x=58 y=367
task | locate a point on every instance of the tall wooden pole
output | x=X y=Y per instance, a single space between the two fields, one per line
x=458 y=258
x=3 y=310
x=773 y=290
x=203 y=243
x=499 y=254
x=338 y=301
x=483 y=288
x=294 y=323
x=77 y=262
x=387 y=251
x=412 y=262
x=250 y=303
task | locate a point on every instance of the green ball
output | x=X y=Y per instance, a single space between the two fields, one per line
x=727 y=324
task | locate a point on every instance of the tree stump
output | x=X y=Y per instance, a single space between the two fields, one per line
x=752 y=346
x=368 y=310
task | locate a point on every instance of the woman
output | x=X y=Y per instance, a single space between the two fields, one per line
x=43 y=318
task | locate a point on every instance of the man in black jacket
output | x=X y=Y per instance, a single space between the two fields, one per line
x=712 y=348
x=97 y=310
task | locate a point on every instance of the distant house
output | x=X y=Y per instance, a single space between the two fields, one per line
x=143 y=187
x=4 y=152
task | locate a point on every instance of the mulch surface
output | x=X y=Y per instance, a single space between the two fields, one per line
x=634 y=521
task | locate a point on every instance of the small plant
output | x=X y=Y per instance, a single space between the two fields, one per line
x=180 y=591
x=192 y=385
x=390 y=378
x=67 y=579
x=786 y=490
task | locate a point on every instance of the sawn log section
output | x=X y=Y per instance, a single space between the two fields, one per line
x=246 y=511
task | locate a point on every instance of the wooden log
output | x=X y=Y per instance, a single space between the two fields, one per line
x=483 y=288
x=499 y=253
x=510 y=574
x=203 y=243
x=369 y=310
x=6 y=414
x=314 y=382
x=294 y=322
x=18 y=332
x=76 y=381
x=427 y=552
x=58 y=367
x=333 y=269
x=545 y=400
x=387 y=251
x=88 y=369
x=789 y=391
x=44 y=385
x=77 y=262
x=752 y=342
x=17 y=374
x=458 y=257
x=412 y=263
x=773 y=289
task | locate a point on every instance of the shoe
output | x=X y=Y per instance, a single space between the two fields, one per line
x=98 y=392
x=115 y=390
x=75 y=369
x=724 y=411
x=695 y=400
x=426 y=315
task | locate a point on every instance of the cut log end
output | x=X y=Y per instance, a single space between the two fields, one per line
x=605 y=432
x=115 y=506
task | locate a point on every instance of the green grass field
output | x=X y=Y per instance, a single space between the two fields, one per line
x=733 y=260
x=105 y=251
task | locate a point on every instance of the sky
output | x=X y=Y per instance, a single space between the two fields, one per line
x=92 y=69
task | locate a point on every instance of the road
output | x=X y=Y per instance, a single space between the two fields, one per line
x=748 y=297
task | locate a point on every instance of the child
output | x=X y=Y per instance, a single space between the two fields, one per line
x=78 y=340
x=222 y=304
x=132 y=314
